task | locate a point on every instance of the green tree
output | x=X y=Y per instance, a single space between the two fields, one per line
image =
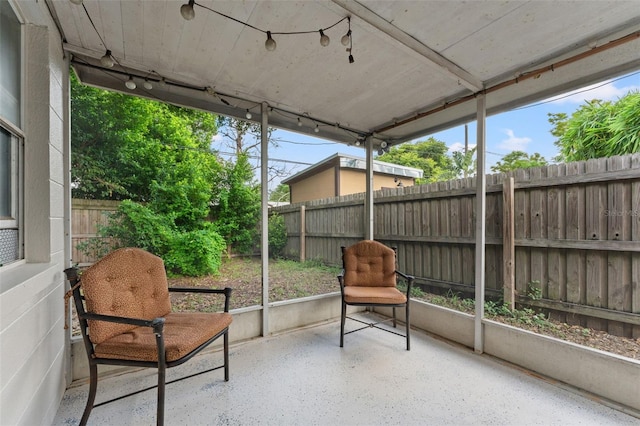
x=518 y=160
x=464 y=164
x=124 y=147
x=599 y=129
x=280 y=194
x=430 y=156
x=236 y=211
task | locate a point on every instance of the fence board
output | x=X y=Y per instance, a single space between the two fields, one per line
x=635 y=236
x=556 y=230
x=538 y=228
x=575 y=230
x=595 y=223
x=618 y=228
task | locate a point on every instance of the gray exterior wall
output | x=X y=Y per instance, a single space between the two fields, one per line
x=33 y=343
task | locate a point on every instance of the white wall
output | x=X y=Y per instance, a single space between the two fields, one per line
x=32 y=339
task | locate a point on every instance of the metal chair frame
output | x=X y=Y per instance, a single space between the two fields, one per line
x=408 y=278
x=157 y=324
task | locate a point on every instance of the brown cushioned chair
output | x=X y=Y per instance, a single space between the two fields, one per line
x=368 y=278
x=125 y=316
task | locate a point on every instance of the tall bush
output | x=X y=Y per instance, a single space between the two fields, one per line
x=195 y=253
x=277 y=235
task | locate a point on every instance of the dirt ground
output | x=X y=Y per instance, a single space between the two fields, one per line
x=288 y=280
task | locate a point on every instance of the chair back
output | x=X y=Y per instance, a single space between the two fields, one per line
x=128 y=282
x=369 y=263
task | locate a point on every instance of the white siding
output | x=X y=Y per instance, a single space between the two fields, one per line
x=32 y=339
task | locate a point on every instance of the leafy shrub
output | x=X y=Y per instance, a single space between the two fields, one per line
x=195 y=253
x=277 y=235
x=186 y=252
x=135 y=225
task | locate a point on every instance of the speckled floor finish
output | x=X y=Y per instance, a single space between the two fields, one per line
x=305 y=378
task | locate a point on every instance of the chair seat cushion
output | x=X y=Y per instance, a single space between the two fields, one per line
x=385 y=295
x=183 y=332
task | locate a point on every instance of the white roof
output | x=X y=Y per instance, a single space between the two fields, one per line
x=359 y=163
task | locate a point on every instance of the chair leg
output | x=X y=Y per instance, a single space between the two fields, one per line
x=394 y=317
x=343 y=318
x=162 y=367
x=408 y=327
x=226 y=356
x=93 y=385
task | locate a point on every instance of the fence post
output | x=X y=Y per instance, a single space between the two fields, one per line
x=508 y=247
x=303 y=227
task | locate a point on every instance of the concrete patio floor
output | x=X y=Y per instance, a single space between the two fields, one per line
x=304 y=378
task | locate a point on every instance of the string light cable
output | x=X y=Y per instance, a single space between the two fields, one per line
x=188 y=13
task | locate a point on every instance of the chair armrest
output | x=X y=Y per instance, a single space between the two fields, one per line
x=155 y=323
x=341 y=281
x=405 y=276
x=226 y=291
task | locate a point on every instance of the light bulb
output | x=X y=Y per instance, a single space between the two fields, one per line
x=270 y=44
x=358 y=142
x=186 y=10
x=130 y=83
x=76 y=2
x=299 y=122
x=107 y=60
x=346 y=38
x=248 y=115
x=147 y=84
x=324 y=39
x=317 y=129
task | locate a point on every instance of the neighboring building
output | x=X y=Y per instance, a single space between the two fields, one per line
x=342 y=174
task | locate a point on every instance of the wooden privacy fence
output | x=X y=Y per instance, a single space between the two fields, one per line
x=86 y=217
x=572 y=231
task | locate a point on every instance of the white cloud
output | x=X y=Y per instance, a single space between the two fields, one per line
x=605 y=91
x=459 y=146
x=514 y=143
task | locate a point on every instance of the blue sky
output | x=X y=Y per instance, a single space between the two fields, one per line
x=525 y=129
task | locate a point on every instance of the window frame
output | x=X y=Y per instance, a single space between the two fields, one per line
x=17 y=154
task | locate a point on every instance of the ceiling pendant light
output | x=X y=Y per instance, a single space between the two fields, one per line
x=248 y=115
x=346 y=38
x=317 y=129
x=270 y=44
x=147 y=84
x=186 y=10
x=130 y=83
x=299 y=122
x=324 y=39
x=107 y=60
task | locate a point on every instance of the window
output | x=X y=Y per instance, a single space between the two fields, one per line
x=10 y=140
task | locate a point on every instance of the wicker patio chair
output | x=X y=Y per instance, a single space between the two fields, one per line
x=368 y=278
x=125 y=316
